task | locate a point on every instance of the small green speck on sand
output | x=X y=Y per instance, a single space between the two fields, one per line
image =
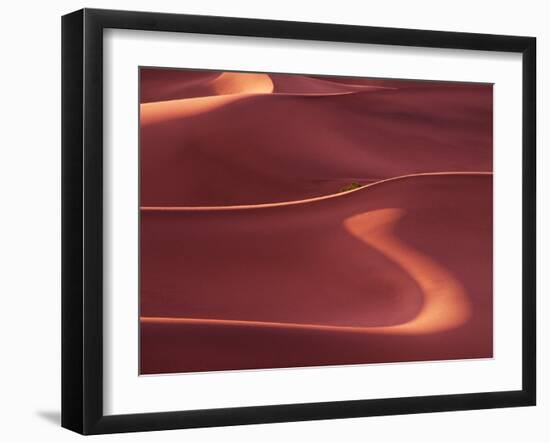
x=351 y=186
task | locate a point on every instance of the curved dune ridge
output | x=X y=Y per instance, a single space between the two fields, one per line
x=239 y=83
x=164 y=85
x=299 y=220
x=297 y=202
x=229 y=87
x=445 y=304
x=322 y=270
x=303 y=140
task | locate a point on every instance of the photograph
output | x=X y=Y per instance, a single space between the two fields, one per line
x=272 y=220
x=294 y=220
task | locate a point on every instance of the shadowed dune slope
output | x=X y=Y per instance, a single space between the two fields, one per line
x=268 y=147
x=229 y=280
x=397 y=83
x=301 y=84
x=169 y=84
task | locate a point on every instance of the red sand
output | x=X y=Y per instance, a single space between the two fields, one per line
x=298 y=264
x=261 y=148
x=330 y=281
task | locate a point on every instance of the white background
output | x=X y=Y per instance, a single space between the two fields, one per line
x=127 y=393
x=30 y=234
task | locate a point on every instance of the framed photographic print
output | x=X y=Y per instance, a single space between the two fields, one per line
x=269 y=221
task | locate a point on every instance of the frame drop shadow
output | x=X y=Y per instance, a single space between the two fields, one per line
x=53 y=417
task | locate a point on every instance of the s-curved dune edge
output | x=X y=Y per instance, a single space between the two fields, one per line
x=297 y=283
x=445 y=304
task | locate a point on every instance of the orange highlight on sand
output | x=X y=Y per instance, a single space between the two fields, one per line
x=446 y=305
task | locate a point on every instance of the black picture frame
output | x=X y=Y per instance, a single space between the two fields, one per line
x=82 y=221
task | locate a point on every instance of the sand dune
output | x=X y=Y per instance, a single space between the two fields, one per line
x=260 y=148
x=445 y=303
x=238 y=83
x=321 y=282
x=308 y=200
x=305 y=85
x=169 y=84
x=162 y=85
x=229 y=87
x=253 y=257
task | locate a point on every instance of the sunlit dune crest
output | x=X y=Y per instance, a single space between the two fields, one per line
x=446 y=305
x=387 y=284
x=313 y=199
x=227 y=88
x=242 y=83
x=304 y=142
x=168 y=110
x=157 y=112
